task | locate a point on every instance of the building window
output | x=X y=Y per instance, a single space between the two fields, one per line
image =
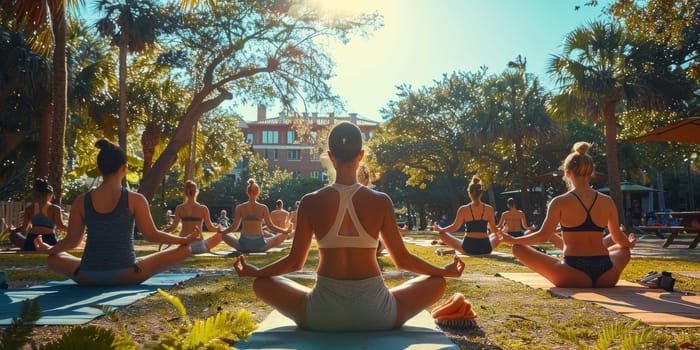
x=265 y=155
x=315 y=155
x=270 y=137
x=249 y=138
x=275 y=155
x=316 y=174
x=291 y=136
x=294 y=155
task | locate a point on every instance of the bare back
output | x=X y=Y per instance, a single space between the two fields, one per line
x=319 y=212
x=569 y=212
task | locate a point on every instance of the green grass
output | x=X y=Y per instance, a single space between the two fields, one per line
x=510 y=315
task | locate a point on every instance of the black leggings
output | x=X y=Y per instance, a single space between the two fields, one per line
x=476 y=246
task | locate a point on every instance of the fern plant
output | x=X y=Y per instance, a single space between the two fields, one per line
x=609 y=335
x=20 y=330
x=210 y=333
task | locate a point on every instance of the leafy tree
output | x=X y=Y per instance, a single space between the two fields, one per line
x=133 y=26
x=516 y=116
x=427 y=134
x=47 y=20
x=671 y=24
x=257 y=49
x=601 y=71
x=24 y=104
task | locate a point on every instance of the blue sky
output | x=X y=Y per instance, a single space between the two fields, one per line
x=423 y=39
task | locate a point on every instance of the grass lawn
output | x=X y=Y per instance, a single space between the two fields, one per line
x=510 y=315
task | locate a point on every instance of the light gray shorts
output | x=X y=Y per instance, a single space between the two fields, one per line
x=251 y=243
x=199 y=247
x=350 y=305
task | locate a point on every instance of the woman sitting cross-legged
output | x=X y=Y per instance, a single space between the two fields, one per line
x=590 y=259
x=45 y=218
x=346 y=220
x=194 y=215
x=250 y=217
x=479 y=218
x=109 y=212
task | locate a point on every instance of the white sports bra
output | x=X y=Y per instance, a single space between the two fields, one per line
x=333 y=239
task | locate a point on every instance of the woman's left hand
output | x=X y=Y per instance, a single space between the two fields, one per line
x=40 y=245
x=632 y=239
x=455 y=268
x=243 y=269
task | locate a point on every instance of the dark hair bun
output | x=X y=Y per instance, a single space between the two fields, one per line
x=104 y=144
x=42 y=186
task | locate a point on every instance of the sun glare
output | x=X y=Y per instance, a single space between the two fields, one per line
x=344 y=8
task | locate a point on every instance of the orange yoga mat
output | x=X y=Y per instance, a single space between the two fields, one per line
x=655 y=307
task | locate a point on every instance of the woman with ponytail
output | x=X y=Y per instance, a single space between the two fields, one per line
x=108 y=214
x=591 y=259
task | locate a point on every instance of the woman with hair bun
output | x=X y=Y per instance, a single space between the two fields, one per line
x=346 y=219
x=110 y=212
x=590 y=259
x=44 y=217
x=193 y=215
x=479 y=218
x=250 y=217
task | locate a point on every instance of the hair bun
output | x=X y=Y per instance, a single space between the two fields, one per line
x=581 y=147
x=104 y=144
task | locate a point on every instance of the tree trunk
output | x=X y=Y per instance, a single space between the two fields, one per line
x=60 y=93
x=522 y=175
x=123 y=49
x=44 y=154
x=181 y=137
x=149 y=141
x=612 y=162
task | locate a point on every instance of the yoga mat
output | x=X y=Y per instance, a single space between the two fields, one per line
x=66 y=303
x=428 y=243
x=228 y=252
x=278 y=332
x=655 y=307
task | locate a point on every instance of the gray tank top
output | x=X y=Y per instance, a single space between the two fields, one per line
x=110 y=236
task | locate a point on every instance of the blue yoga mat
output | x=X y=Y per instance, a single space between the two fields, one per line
x=278 y=332
x=66 y=303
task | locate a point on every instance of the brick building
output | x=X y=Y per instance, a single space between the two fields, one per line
x=276 y=139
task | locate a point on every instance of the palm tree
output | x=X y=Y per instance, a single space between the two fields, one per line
x=48 y=19
x=594 y=74
x=133 y=26
x=516 y=115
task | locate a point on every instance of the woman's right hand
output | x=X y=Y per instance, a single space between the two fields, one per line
x=243 y=269
x=194 y=236
x=455 y=268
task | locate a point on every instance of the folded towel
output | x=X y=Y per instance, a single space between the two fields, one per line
x=456 y=312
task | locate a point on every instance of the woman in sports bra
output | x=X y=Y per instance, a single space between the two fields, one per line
x=249 y=216
x=346 y=220
x=479 y=218
x=590 y=259
x=193 y=215
x=514 y=220
x=110 y=212
x=43 y=216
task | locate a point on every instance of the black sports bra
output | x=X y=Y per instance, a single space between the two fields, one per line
x=587 y=225
x=477 y=225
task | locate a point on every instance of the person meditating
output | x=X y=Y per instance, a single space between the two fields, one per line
x=193 y=215
x=251 y=215
x=479 y=217
x=514 y=220
x=110 y=212
x=590 y=259
x=346 y=220
x=43 y=216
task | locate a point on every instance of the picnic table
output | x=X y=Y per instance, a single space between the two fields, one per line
x=673 y=232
